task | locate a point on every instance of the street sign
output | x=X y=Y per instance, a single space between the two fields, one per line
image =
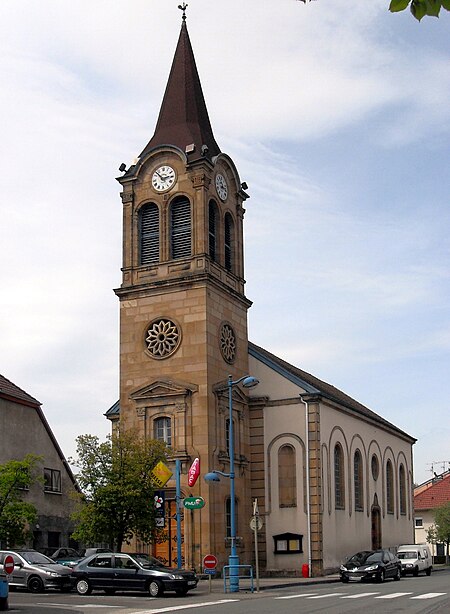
x=161 y=474
x=194 y=503
x=256 y=523
x=210 y=572
x=194 y=472
x=210 y=561
x=8 y=565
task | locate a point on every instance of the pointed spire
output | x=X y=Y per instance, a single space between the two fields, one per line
x=183 y=119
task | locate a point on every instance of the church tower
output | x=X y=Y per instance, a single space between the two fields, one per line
x=183 y=310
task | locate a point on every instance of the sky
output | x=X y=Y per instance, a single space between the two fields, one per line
x=337 y=115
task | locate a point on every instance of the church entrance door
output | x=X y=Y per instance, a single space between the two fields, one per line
x=376 y=527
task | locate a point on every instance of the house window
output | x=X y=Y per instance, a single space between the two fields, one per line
x=212 y=230
x=227 y=436
x=162 y=430
x=229 y=241
x=52 y=480
x=54 y=539
x=288 y=543
x=402 y=486
x=389 y=488
x=287 y=479
x=228 y=516
x=339 y=484
x=149 y=234
x=418 y=523
x=358 y=481
x=180 y=228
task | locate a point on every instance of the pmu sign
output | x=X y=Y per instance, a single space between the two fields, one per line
x=194 y=472
x=194 y=503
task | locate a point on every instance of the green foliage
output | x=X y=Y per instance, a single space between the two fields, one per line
x=440 y=531
x=16 y=515
x=420 y=8
x=117 y=489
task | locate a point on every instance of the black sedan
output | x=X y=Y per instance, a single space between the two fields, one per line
x=113 y=572
x=371 y=565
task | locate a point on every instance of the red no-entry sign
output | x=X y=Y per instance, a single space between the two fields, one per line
x=8 y=564
x=210 y=561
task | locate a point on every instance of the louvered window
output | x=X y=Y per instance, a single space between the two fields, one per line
x=212 y=229
x=180 y=228
x=229 y=241
x=149 y=234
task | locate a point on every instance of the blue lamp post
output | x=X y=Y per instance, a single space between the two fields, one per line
x=233 y=560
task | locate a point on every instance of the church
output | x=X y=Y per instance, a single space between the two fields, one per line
x=328 y=475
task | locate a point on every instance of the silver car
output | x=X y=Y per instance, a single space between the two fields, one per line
x=37 y=572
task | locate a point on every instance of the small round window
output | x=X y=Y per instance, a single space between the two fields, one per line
x=162 y=338
x=227 y=340
x=375 y=467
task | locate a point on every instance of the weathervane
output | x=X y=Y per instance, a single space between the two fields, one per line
x=183 y=8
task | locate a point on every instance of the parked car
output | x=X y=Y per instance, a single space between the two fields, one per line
x=37 y=572
x=371 y=565
x=67 y=556
x=415 y=558
x=113 y=572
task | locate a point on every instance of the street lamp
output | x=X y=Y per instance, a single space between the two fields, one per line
x=233 y=560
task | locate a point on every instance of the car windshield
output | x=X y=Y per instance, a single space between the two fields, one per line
x=147 y=561
x=36 y=558
x=365 y=558
x=407 y=555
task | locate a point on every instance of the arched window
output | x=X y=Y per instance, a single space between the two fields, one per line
x=149 y=234
x=180 y=228
x=339 y=478
x=358 y=481
x=402 y=486
x=287 y=477
x=212 y=229
x=229 y=242
x=389 y=488
x=228 y=516
x=162 y=430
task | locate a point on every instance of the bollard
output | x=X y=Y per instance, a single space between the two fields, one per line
x=305 y=570
x=3 y=594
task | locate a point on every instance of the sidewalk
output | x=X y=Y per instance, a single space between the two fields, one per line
x=265 y=584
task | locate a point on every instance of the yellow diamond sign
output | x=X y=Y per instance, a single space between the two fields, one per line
x=161 y=474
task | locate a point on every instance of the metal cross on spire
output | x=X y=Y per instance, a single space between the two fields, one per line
x=183 y=8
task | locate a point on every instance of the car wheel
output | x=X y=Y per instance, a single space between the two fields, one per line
x=381 y=576
x=84 y=586
x=181 y=592
x=428 y=571
x=416 y=572
x=155 y=588
x=398 y=575
x=35 y=584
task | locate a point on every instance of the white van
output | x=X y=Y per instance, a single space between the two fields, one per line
x=415 y=558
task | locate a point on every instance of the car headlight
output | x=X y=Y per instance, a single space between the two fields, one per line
x=174 y=576
x=53 y=574
x=409 y=565
x=343 y=568
x=372 y=568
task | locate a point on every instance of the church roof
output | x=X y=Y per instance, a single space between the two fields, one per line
x=13 y=392
x=313 y=385
x=183 y=119
x=435 y=495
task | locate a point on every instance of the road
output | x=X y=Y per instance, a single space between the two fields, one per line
x=422 y=595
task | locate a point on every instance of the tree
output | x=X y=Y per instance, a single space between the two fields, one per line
x=117 y=499
x=16 y=515
x=440 y=531
x=419 y=8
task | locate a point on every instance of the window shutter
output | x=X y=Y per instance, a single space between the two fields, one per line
x=181 y=228
x=149 y=234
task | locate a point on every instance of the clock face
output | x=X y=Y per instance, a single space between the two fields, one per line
x=221 y=186
x=163 y=178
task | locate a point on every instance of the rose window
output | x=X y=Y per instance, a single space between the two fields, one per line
x=162 y=338
x=227 y=342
